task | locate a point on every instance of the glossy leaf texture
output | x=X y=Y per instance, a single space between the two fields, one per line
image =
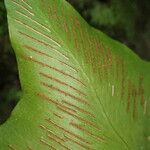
x=81 y=89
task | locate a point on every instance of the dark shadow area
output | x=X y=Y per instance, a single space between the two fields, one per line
x=127 y=21
x=9 y=81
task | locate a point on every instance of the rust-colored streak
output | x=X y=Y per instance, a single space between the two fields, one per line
x=123 y=79
x=87 y=132
x=85 y=49
x=129 y=96
x=64 y=93
x=55 y=102
x=82 y=39
x=29 y=148
x=77 y=23
x=43 y=43
x=121 y=75
x=63 y=10
x=97 y=46
x=118 y=62
x=47 y=144
x=47 y=98
x=11 y=147
x=67 y=32
x=38 y=32
x=78 y=143
x=95 y=57
x=58 y=105
x=134 y=94
x=50 y=67
x=76 y=43
x=49 y=9
x=109 y=57
x=58 y=142
x=81 y=119
x=142 y=96
x=32 y=19
x=26 y=3
x=78 y=108
x=67 y=131
x=58 y=115
x=67 y=108
x=141 y=90
x=51 y=133
x=105 y=67
x=36 y=50
x=24 y=8
x=49 y=56
x=62 y=82
x=55 y=12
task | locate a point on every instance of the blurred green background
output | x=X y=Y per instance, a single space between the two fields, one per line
x=124 y=20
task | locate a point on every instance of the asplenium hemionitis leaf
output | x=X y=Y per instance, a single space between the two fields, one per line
x=81 y=89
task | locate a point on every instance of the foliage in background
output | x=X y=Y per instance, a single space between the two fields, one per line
x=127 y=21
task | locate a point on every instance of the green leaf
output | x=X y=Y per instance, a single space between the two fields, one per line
x=81 y=89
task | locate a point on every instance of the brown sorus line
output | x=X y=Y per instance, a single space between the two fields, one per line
x=82 y=38
x=21 y=6
x=81 y=119
x=141 y=90
x=142 y=98
x=29 y=148
x=50 y=146
x=52 y=101
x=49 y=11
x=67 y=131
x=38 y=32
x=51 y=38
x=47 y=55
x=55 y=12
x=58 y=115
x=36 y=50
x=78 y=108
x=141 y=94
x=109 y=61
x=78 y=143
x=67 y=108
x=55 y=102
x=135 y=103
x=32 y=19
x=67 y=31
x=43 y=43
x=87 y=132
x=50 y=132
x=118 y=62
x=105 y=68
x=61 y=82
x=106 y=65
x=11 y=147
x=65 y=93
x=25 y=2
x=109 y=56
x=58 y=142
x=123 y=79
x=63 y=9
x=48 y=66
x=129 y=96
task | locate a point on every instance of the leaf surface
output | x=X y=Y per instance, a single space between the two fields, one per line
x=81 y=89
